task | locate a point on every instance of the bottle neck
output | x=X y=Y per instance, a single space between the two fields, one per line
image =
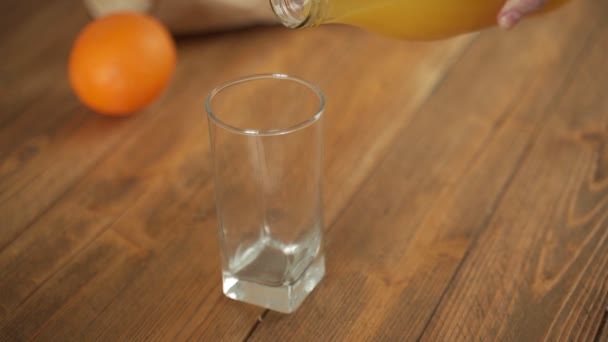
x=299 y=13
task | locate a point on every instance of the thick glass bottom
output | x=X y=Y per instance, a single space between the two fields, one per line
x=284 y=298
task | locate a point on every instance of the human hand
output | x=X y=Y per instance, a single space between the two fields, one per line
x=515 y=10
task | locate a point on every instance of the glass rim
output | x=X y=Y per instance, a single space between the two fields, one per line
x=266 y=132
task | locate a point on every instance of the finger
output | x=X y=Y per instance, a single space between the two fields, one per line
x=514 y=10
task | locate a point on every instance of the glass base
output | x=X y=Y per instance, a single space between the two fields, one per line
x=285 y=299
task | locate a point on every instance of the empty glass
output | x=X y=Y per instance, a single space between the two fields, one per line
x=266 y=136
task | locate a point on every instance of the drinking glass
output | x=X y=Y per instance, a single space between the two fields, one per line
x=266 y=134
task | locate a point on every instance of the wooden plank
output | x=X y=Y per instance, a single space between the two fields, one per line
x=90 y=271
x=86 y=304
x=228 y=317
x=391 y=258
x=99 y=199
x=47 y=140
x=43 y=152
x=602 y=332
x=34 y=68
x=152 y=187
x=540 y=270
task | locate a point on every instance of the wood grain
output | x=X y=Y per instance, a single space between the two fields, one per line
x=147 y=180
x=602 y=332
x=429 y=204
x=465 y=188
x=47 y=140
x=543 y=256
x=95 y=270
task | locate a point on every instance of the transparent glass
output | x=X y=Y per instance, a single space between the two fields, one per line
x=266 y=135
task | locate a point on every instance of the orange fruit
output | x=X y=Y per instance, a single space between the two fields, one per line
x=121 y=63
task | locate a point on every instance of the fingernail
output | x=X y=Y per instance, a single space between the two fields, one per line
x=509 y=19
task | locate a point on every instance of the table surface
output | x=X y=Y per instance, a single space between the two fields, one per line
x=466 y=187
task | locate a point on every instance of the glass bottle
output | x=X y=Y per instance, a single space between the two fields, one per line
x=403 y=19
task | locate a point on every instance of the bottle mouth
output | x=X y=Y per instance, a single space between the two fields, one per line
x=293 y=13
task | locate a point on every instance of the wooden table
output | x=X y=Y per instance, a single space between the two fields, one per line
x=466 y=191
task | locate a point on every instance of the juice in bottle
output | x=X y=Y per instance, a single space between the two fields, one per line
x=403 y=19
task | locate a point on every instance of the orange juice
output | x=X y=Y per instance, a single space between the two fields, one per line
x=403 y=19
